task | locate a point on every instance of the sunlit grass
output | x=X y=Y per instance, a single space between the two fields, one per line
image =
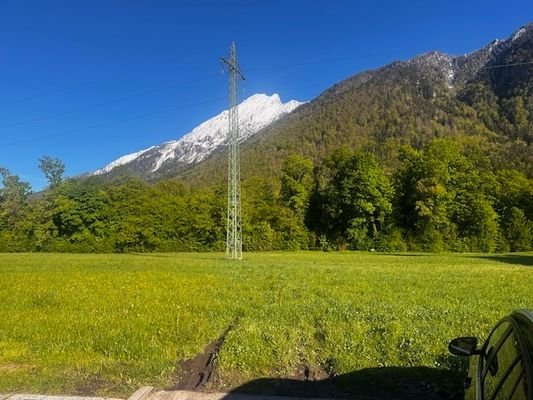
x=107 y=324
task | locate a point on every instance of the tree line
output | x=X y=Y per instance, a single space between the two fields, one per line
x=444 y=196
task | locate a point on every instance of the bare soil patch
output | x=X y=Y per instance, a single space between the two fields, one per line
x=197 y=372
x=91 y=386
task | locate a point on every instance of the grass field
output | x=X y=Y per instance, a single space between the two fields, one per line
x=107 y=324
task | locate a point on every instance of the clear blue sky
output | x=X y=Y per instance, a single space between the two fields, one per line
x=89 y=81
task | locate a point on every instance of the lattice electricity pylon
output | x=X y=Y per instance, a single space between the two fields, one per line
x=234 y=221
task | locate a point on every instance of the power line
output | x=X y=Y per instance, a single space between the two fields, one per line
x=508 y=65
x=90 y=82
x=138 y=116
x=319 y=61
x=120 y=99
x=163 y=61
x=97 y=105
x=175 y=58
x=145 y=92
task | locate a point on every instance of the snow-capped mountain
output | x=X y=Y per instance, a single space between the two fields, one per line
x=255 y=113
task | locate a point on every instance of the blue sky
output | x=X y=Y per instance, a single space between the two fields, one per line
x=90 y=81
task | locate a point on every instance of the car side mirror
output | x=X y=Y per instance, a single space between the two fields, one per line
x=464 y=346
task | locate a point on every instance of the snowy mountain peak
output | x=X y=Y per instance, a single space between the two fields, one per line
x=518 y=33
x=122 y=160
x=433 y=57
x=522 y=31
x=441 y=62
x=255 y=113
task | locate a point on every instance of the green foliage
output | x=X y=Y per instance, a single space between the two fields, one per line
x=268 y=221
x=422 y=196
x=517 y=230
x=444 y=196
x=13 y=197
x=53 y=169
x=354 y=197
x=295 y=183
x=391 y=240
x=14 y=222
x=513 y=189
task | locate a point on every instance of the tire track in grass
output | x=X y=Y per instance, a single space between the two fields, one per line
x=199 y=371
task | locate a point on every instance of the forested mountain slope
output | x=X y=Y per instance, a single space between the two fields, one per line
x=485 y=96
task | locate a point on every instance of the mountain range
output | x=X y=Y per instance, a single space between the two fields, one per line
x=484 y=96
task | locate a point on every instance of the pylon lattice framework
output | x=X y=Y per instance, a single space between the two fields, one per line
x=234 y=220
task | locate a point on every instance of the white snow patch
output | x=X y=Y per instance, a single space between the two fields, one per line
x=450 y=73
x=518 y=33
x=493 y=44
x=255 y=113
x=121 y=161
x=440 y=61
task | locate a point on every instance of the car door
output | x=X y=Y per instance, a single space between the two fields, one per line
x=502 y=367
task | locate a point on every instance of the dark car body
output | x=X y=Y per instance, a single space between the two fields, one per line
x=503 y=367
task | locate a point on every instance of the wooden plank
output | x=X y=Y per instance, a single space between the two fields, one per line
x=161 y=395
x=27 y=397
x=141 y=393
x=190 y=395
x=71 y=398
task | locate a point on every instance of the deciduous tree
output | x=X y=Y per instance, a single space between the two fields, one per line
x=53 y=169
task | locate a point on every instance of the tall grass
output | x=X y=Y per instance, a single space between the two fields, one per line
x=107 y=324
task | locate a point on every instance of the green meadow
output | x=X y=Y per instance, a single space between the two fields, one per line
x=108 y=324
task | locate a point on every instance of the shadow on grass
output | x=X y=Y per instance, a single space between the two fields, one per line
x=516 y=259
x=394 y=383
x=405 y=254
x=152 y=255
x=196 y=256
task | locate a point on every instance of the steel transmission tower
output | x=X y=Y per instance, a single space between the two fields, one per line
x=234 y=222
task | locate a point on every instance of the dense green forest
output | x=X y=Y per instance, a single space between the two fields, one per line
x=445 y=196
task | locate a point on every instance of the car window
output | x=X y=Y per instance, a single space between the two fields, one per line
x=503 y=371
